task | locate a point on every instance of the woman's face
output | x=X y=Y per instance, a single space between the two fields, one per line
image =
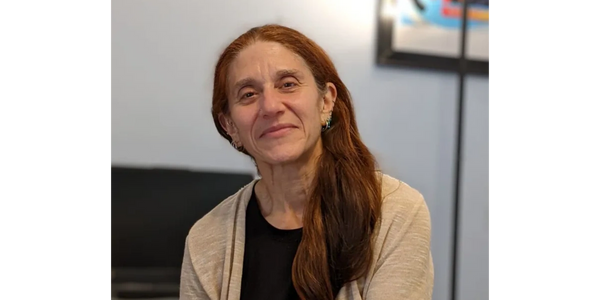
x=276 y=108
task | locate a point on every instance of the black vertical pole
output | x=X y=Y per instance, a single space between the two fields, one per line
x=462 y=68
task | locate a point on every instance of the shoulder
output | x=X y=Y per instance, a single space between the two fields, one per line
x=402 y=264
x=403 y=206
x=210 y=233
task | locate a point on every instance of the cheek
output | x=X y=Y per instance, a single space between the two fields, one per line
x=313 y=115
x=308 y=109
x=244 y=121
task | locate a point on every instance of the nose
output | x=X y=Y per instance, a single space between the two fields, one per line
x=271 y=103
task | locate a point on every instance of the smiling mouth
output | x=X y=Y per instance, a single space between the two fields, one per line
x=277 y=131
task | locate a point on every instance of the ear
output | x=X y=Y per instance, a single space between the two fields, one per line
x=328 y=102
x=228 y=125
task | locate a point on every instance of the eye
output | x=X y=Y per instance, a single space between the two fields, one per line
x=248 y=95
x=289 y=84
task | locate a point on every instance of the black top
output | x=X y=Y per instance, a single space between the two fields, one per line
x=268 y=256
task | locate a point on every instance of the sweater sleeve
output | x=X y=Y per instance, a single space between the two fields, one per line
x=190 y=286
x=404 y=269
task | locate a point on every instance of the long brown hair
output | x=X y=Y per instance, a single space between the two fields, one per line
x=345 y=202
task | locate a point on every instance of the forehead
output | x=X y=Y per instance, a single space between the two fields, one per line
x=264 y=59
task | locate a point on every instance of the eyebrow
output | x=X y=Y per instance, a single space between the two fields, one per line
x=288 y=72
x=242 y=83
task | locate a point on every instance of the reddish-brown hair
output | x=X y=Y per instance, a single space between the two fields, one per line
x=344 y=206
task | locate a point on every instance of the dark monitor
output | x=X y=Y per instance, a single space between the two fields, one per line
x=152 y=212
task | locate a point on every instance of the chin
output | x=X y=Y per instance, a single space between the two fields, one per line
x=282 y=154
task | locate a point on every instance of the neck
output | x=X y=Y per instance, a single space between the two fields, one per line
x=284 y=188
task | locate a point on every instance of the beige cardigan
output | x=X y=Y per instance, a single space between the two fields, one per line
x=402 y=268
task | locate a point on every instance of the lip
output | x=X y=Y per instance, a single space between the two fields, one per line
x=274 y=129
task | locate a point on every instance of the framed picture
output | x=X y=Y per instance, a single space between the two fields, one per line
x=427 y=34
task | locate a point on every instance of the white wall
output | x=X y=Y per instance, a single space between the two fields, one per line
x=163 y=57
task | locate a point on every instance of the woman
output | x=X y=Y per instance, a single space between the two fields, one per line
x=321 y=222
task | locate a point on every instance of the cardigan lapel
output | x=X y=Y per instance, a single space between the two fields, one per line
x=232 y=283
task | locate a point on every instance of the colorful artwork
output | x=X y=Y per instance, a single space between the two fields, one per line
x=432 y=27
x=478 y=14
x=444 y=13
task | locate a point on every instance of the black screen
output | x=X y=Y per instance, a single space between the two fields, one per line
x=154 y=209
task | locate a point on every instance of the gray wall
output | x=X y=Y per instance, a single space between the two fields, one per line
x=474 y=214
x=163 y=55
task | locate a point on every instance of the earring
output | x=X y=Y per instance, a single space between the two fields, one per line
x=234 y=144
x=327 y=125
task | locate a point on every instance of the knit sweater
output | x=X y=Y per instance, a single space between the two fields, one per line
x=402 y=266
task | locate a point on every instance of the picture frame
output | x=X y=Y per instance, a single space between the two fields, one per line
x=427 y=34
